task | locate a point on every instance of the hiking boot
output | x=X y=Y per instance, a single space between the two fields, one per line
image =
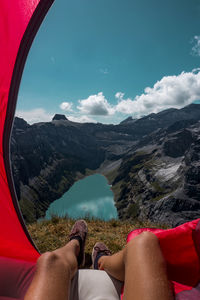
x=99 y=250
x=79 y=232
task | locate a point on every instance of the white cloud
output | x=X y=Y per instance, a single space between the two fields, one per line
x=104 y=71
x=81 y=119
x=34 y=115
x=96 y=105
x=119 y=95
x=196 y=47
x=170 y=91
x=67 y=106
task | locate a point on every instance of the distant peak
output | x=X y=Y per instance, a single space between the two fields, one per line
x=59 y=117
x=20 y=123
x=127 y=120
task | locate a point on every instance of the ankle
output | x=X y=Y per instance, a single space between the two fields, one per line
x=102 y=262
x=75 y=246
x=79 y=233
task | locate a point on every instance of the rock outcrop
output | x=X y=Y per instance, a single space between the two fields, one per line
x=59 y=117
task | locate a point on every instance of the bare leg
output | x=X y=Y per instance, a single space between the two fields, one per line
x=142 y=268
x=54 y=273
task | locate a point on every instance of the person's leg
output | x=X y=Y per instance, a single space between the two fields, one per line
x=103 y=260
x=142 y=268
x=55 y=269
x=54 y=273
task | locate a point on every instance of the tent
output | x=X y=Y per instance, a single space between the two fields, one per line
x=19 y=22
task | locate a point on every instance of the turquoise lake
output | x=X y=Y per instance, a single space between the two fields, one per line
x=91 y=196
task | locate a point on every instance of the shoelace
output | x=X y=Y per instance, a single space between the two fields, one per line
x=77 y=232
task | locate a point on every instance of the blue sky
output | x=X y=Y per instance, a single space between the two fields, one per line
x=104 y=60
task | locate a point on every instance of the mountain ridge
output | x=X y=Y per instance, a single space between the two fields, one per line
x=48 y=157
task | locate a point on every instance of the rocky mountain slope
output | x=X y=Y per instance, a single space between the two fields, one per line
x=152 y=163
x=160 y=181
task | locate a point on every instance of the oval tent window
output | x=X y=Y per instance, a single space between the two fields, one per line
x=110 y=87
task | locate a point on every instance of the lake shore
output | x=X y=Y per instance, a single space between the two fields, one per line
x=89 y=196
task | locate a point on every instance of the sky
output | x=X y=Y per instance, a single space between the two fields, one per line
x=106 y=60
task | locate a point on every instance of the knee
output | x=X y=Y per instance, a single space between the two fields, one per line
x=147 y=238
x=49 y=260
x=143 y=241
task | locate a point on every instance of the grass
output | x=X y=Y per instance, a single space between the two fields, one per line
x=51 y=234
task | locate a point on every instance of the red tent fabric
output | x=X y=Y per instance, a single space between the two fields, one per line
x=19 y=22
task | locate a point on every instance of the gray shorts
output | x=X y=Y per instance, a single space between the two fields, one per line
x=94 y=285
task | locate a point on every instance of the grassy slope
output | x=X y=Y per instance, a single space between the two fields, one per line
x=49 y=235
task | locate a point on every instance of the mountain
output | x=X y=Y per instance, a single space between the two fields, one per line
x=160 y=181
x=152 y=163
